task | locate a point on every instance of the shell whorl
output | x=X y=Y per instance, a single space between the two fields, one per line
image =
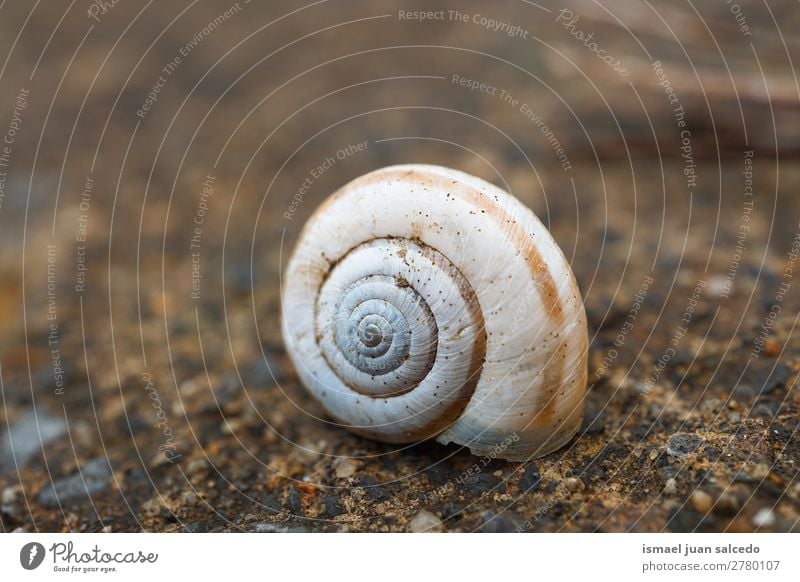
x=395 y=319
x=423 y=302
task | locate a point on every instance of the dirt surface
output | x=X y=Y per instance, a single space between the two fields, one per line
x=164 y=159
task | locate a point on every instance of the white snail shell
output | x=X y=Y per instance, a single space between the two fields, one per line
x=424 y=302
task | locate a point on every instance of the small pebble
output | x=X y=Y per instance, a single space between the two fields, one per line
x=718 y=286
x=373 y=489
x=333 y=506
x=670 y=487
x=504 y=522
x=295 y=502
x=771 y=348
x=344 y=468
x=266 y=527
x=680 y=445
x=232 y=425
x=702 y=501
x=770 y=378
x=195 y=527
x=531 y=479
x=197 y=465
x=764 y=410
x=425 y=521
x=10 y=494
x=92 y=480
x=26 y=437
x=764 y=518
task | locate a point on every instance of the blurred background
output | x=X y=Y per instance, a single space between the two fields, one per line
x=159 y=160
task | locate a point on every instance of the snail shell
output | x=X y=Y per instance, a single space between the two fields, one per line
x=422 y=302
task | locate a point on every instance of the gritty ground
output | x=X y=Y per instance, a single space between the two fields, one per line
x=144 y=382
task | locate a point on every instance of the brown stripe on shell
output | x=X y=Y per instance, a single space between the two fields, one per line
x=548 y=293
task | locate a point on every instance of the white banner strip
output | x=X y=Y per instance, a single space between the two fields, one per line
x=389 y=557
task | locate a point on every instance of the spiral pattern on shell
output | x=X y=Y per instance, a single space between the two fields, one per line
x=394 y=317
x=423 y=302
